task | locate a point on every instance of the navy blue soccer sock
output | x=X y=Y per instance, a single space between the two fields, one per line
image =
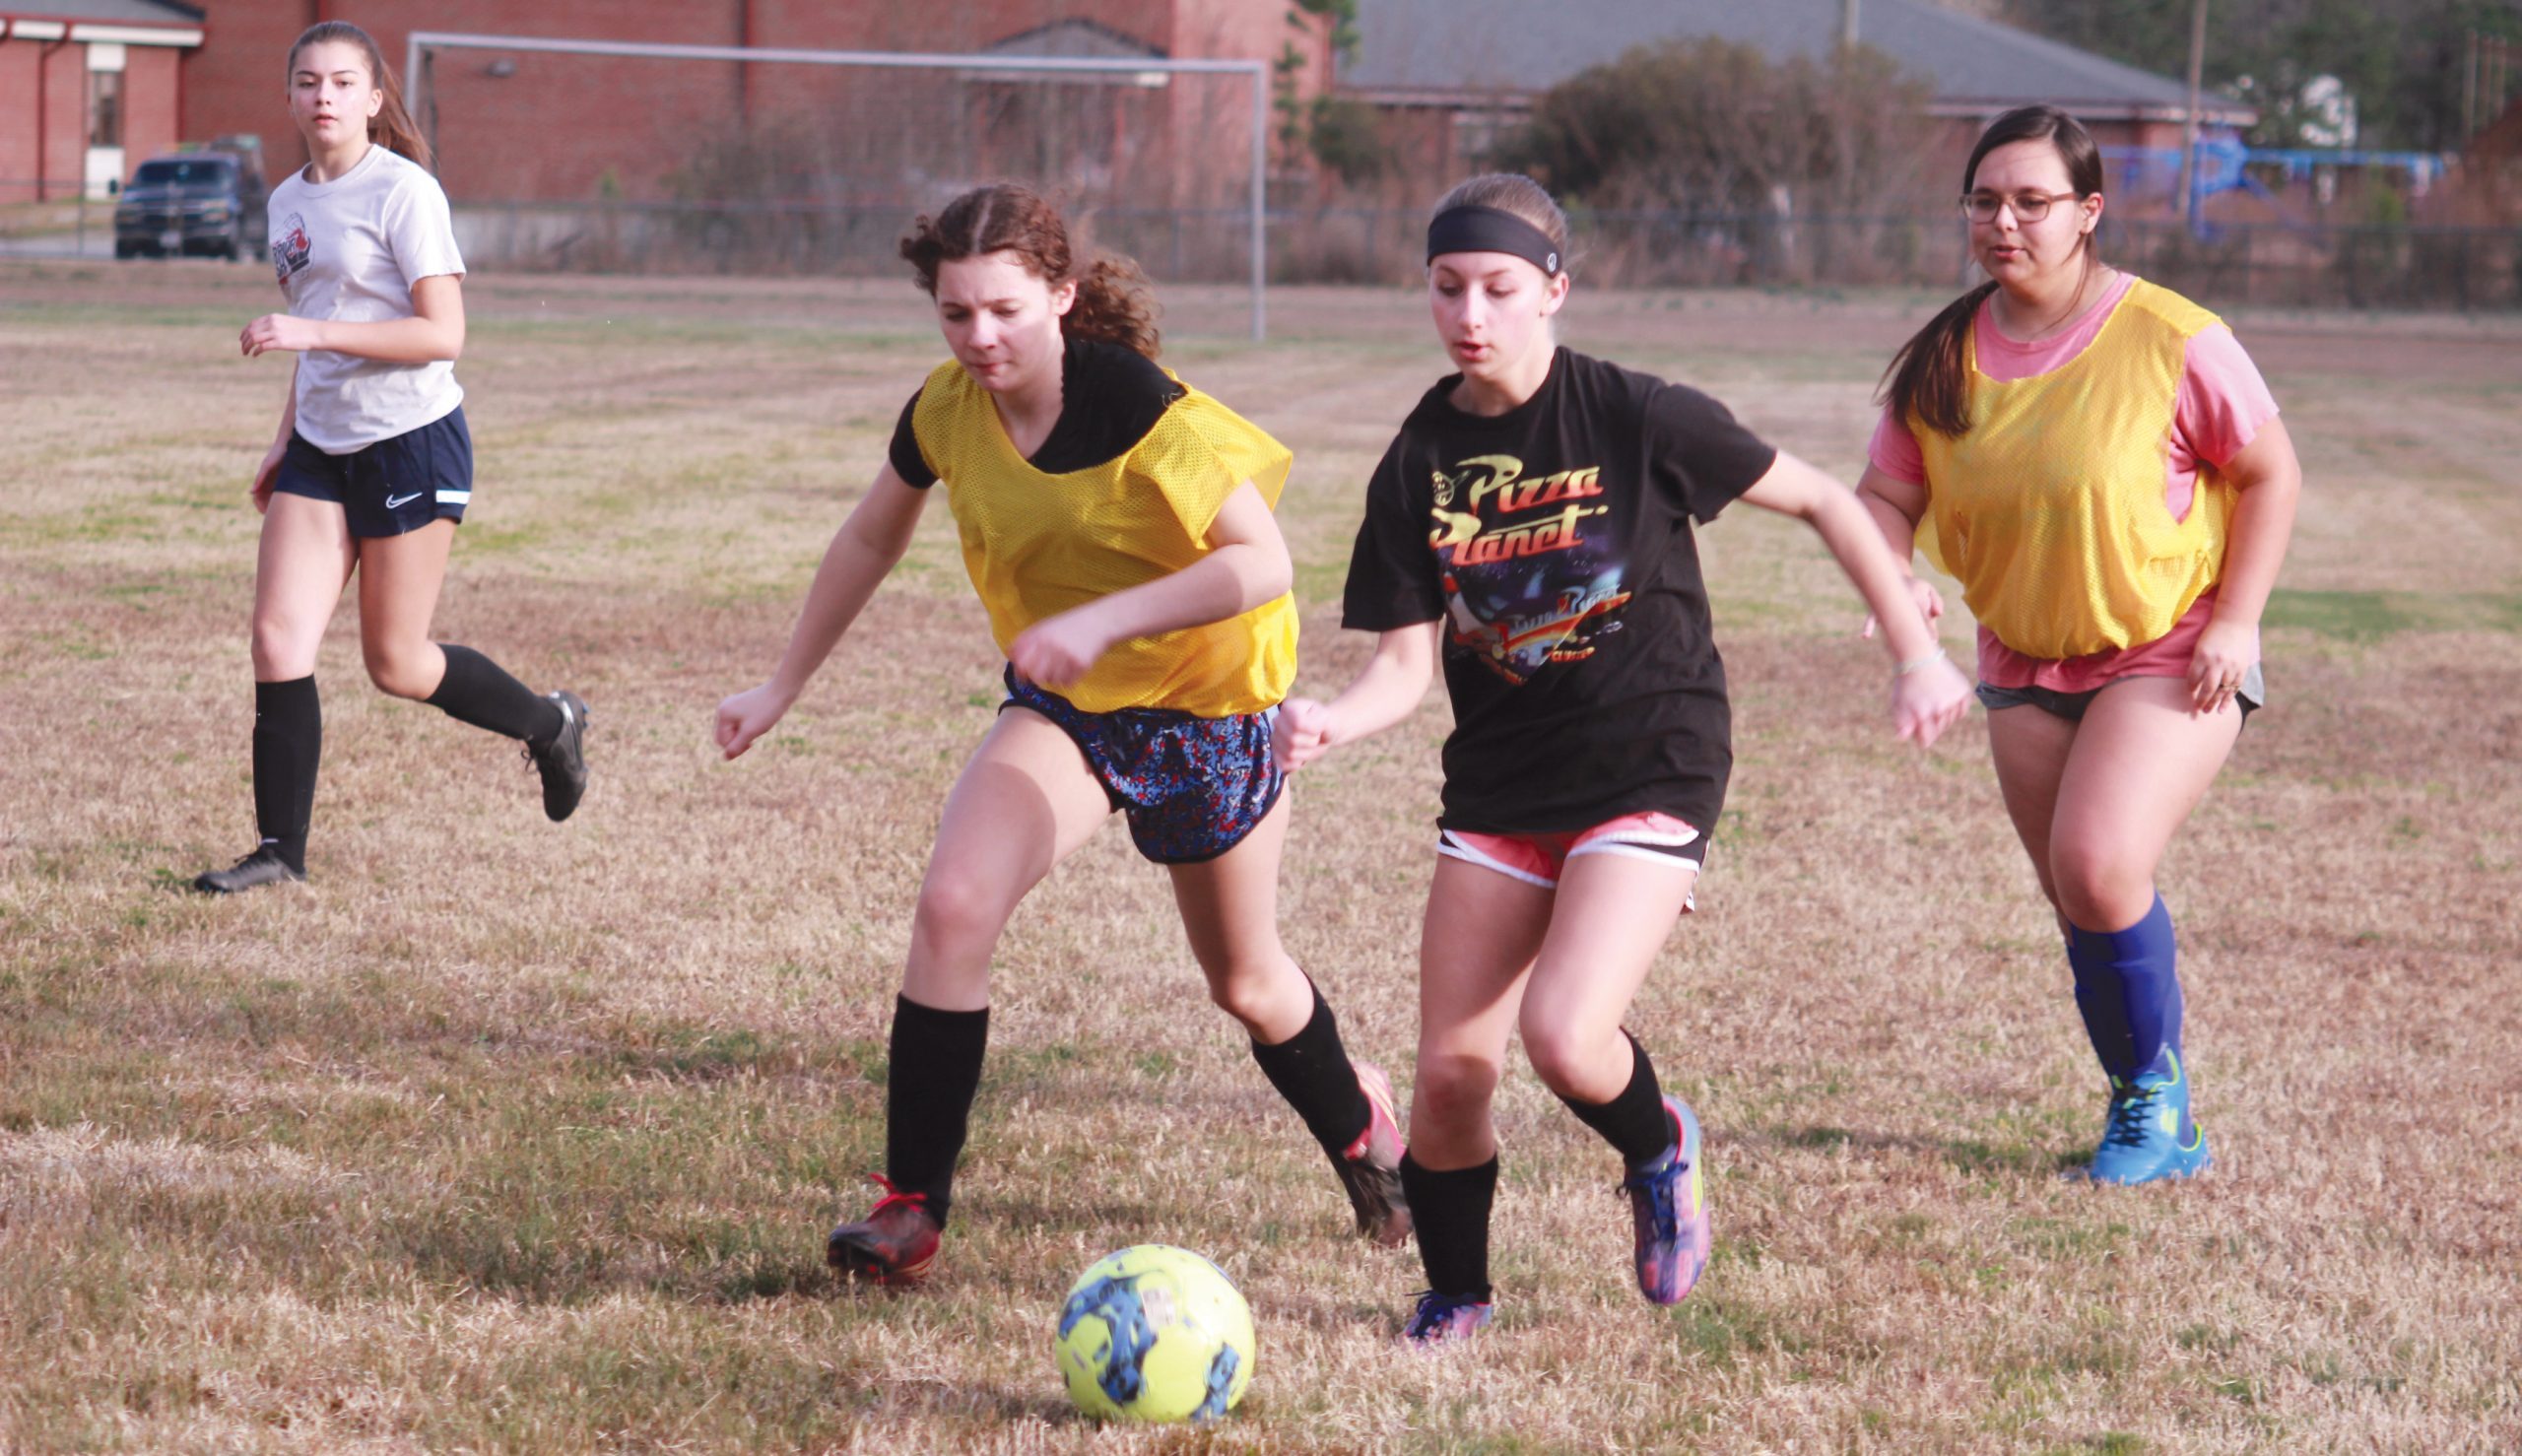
x=2128 y=987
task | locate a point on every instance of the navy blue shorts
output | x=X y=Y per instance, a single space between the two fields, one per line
x=393 y=485
x=1192 y=788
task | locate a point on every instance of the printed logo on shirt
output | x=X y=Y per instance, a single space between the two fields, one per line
x=1524 y=584
x=290 y=247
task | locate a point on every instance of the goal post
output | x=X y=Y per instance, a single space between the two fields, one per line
x=1144 y=70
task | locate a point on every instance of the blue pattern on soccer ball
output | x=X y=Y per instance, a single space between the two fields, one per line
x=1221 y=1383
x=1116 y=1302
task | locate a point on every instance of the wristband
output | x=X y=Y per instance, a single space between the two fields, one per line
x=1930 y=660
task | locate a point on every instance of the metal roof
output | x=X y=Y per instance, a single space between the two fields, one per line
x=106 y=12
x=1436 y=49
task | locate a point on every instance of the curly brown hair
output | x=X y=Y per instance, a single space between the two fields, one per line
x=1113 y=301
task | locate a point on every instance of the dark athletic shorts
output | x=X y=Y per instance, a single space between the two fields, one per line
x=2070 y=706
x=1192 y=788
x=393 y=485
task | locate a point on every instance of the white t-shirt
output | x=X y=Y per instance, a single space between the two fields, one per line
x=351 y=249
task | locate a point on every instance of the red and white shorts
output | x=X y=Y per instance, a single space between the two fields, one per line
x=1540 y=859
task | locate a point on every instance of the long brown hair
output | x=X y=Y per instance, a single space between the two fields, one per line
x=393 y=126
x=1113 y=301
x=1928 y=379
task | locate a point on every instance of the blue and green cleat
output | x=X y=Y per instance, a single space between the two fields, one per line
x=2149 y=1134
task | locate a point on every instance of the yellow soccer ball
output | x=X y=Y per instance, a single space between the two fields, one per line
x=1154 y=1332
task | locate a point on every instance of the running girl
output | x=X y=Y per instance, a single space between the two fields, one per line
x=2099 y=463
x=371 y=467
x=1118 y=526
x=1533 y=519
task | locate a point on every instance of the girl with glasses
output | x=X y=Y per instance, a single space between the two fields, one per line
x=2101 y=466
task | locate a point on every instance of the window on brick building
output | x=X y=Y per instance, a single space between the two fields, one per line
x=105 y=109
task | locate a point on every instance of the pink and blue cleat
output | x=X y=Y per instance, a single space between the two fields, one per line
x=1442 y=1319
x=1668 y=1199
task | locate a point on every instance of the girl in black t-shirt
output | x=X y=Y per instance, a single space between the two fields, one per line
x=1533 y=517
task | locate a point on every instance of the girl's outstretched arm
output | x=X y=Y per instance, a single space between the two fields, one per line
x=865 y=548
x=1246 y=566
x=1386 y=691
x=1897 y=506
x=1928 y=692
x=433 y=331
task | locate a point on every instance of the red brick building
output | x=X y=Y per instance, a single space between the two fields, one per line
x=540 y=126
x=88 y=88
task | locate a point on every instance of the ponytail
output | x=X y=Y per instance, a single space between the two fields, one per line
x=1929 y=378
x=393 y=126
x=1114 y=304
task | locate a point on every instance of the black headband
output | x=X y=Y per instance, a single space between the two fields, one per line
x=1472 y=229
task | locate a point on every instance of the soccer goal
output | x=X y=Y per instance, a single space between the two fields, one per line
x=729 y=156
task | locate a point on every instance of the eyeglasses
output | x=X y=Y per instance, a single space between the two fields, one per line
x=2029 y=207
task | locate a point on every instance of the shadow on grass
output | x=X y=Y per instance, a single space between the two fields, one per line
x=1970 y=1154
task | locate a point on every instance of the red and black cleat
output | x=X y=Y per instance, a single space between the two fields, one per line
x=894 y=1244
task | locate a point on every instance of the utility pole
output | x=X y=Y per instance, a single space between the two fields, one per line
x=2469 y=89
x=1847 y=24
x=2189 y=122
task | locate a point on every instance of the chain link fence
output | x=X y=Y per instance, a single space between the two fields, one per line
x=2413 y=266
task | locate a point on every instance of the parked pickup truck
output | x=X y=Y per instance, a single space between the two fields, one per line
x=192 y=202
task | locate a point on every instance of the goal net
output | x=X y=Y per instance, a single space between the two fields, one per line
x=638 y=157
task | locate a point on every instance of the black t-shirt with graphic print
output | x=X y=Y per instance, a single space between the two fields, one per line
x=1110 y=396
x=1555 y=543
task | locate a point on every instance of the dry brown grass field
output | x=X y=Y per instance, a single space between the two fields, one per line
x=507 y=1136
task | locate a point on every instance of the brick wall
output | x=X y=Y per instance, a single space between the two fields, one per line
x=149 y=86
x=564 y=127
x=61 y=78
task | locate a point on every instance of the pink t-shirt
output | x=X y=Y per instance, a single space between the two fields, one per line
x=2224 y=404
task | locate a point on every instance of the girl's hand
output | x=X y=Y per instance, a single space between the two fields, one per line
x=1301 y=735
x=1056 y=652
x=1930 y=605
x=265 y=474
x=285 y=332
x=2227 y=652
x=749 y=715
x=1928 y=701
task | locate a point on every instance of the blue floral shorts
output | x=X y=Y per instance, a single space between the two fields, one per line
x=1192 y=788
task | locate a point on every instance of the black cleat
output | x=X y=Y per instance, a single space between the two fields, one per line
x=562 y=761
x=262 y=867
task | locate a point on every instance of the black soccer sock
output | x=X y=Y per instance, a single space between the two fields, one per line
x=1312 y=1071
x=1634 y=1122
x=1451 y=1210
x=935 y=1072
x=289 y=742
x=479 y=692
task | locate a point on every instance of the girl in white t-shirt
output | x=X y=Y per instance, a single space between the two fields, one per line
x=371 y=467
